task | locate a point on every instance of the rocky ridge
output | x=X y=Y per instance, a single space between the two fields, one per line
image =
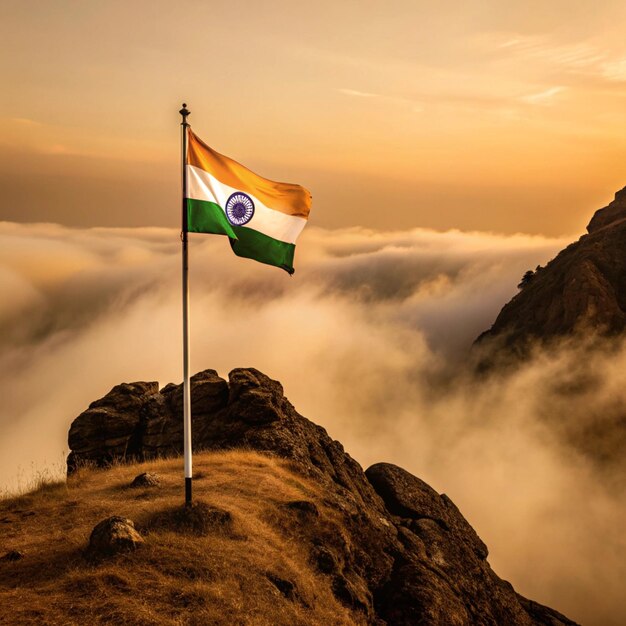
x=407 y=556
x=581 y=291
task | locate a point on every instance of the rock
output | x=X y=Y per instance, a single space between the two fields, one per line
x=12 y=555
x=145 y=480
x=136 y=421
x=614 y=212
x=395 y=550
x=304 y=508
x=324 y=559
x=254 y=398
x=286 y=587
x=112 y=427
x=441 y=575
x=412 y=499
x=209 y=393
x=347 y=593
x=542 y=614
x=112 y=536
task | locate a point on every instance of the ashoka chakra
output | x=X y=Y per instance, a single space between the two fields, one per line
x=239 y=208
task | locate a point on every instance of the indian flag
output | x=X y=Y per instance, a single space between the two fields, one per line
x=261 y=218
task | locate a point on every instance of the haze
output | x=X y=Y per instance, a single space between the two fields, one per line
x=500 y=116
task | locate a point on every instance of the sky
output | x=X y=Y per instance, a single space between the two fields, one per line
x=493 y=116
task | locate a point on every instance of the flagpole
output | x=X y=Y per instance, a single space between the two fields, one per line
x=186 y=383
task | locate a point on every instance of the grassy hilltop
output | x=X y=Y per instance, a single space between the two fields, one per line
x=254 y=571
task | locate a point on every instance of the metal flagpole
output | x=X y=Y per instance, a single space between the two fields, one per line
x=186 y=384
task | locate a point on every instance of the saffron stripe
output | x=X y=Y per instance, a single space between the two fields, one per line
x=284 y=197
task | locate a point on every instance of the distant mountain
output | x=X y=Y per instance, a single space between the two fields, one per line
x=301 y=530
x=582 y=290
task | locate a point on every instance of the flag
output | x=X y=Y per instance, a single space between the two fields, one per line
x=262 y=218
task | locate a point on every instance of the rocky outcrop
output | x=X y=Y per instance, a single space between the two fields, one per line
x=611 y=214
x=139 y=421
x=399 y=554
x=442 y=571
x=582 y=290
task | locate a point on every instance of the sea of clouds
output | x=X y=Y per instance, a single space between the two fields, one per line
x=370 y=339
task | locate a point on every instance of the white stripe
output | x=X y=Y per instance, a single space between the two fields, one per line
x=203 y=186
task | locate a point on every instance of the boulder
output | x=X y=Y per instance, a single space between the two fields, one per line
x=147 y=479
x=12 y=555
x=254 y=398
x=112 y=536
x=411 y=499
x=441 y=575
x=112 y=427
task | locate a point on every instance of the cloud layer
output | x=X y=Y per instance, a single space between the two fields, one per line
x=369 y=339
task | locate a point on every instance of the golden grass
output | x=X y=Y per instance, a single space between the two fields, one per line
x=176 y=577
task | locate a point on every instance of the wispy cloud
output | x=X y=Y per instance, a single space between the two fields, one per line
x=357 y=94
x=615 y=70
x=414 y=105
x=574 y=56
x=24 y=121
x=583 y=57
x=544 y=97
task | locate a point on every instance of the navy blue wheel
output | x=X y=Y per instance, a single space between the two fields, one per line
x=239 y=208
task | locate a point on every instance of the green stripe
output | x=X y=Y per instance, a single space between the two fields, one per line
x=208 y=217
x=255 y=245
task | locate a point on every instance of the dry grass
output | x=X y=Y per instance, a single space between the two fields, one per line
x=254 y=571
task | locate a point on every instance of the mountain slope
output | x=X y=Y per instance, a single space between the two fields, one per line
x=582 y=290
x=379 y=547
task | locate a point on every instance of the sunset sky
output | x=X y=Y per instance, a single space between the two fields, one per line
x=502 y=116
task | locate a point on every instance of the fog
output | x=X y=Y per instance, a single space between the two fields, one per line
x=370 y=339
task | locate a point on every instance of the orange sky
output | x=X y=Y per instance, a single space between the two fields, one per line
x=505 y=116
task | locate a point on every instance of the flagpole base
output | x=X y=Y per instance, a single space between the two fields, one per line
x=187 y=491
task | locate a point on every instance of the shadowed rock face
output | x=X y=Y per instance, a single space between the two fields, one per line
x=614 y=212
x=405 y=555
x=582 y=290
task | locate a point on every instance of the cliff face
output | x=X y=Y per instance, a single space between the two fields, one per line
x=404 y=555
x=582 y=290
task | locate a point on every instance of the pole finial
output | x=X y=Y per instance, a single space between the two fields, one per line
x=184 y=112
